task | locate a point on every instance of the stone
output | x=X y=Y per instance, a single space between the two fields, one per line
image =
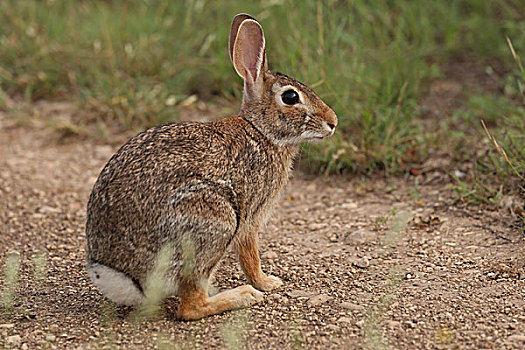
x=517 y=338
x=351 y=306
x=270 y=255
x=360 y=236
x=393 y=324
x=14 y=340
x=298 y=294
x=316 y=226
x=318 y=299
x=349 y=205
x=362 y=262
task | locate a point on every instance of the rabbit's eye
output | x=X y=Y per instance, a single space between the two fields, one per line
x=290 y=97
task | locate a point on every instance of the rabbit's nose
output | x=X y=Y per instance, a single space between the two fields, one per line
x=330 y=119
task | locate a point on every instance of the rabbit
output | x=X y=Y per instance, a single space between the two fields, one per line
x=197 y=189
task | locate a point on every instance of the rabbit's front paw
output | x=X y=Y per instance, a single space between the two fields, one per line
x=268 y=283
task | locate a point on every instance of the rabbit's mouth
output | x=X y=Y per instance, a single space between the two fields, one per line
x=314 y=137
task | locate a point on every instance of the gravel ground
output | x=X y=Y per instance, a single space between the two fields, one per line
x=366 y=264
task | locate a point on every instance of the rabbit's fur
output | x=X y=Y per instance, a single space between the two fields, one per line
x=199 y=188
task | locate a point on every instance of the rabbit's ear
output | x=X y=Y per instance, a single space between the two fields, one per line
x=248 y=54
x=237 y=20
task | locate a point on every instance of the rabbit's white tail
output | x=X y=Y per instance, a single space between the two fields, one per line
x=115 y=285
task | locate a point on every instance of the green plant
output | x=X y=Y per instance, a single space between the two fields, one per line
x=500 y=169
x=156 y=288
x=414 y=191
x=39 y=268
x=128 y=65
x=372 y=331
x=235 y=330
x=11 y=272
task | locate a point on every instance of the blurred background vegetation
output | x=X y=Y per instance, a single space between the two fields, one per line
x=409 y=80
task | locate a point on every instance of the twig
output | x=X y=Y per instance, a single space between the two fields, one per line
x=479 y=217
x=516 y=57
x=500 y=150
x=494 y=232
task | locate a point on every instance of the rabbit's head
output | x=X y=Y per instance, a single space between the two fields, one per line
x=284 y=110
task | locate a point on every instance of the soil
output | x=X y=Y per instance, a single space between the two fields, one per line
x=365 y=264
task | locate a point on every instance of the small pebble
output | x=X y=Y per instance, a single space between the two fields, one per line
x=393 y=324
x=362 y=262
x=270 y=255
x=351 y=306
x=51 y=338
x=517 y=338
x=344 y=320
x=318 y=299
x=14 y=340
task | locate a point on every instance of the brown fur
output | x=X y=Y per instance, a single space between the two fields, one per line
x=248 y=250
x=199 y=187
x=195 y=303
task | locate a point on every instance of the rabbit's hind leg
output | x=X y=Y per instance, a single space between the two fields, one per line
x=196 y=304
x=204 y=218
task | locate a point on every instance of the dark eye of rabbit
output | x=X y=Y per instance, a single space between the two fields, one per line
x=290 y=97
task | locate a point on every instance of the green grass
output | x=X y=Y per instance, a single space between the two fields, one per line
x=372 y=331
x=128 y=64
x=499 y=165
x=11 y=276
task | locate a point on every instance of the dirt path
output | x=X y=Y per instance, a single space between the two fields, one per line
x=355 y=275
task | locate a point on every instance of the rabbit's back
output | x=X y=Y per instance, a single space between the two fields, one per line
x=225 y=169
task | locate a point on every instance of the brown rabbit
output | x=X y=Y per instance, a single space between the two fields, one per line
x=199 y=188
